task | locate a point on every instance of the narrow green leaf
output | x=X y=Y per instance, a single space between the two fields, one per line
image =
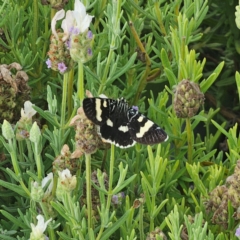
x=64 y=236
x=13 y=219
x=14 y=188
x=115 y=226
x=221 y=129
x=164 y=59
x=123 y=69
x=48 y=116
x=237 y=76
x=171 y=77
x=207 y=83
x=5 y=237
x=119 y=187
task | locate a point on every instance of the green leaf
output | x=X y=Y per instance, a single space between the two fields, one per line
x=114 y=75
x=48 y=116
x=171 y=77
x=221 y=129
x=110 y=230
x=14 y=188
x=207 y=83
x=237 y=76
x=14 y=220
x=64 y=236
x=193 y=171
x=5 y=237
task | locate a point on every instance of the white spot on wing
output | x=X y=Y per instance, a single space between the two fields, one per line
x=144 y=129
x=123 y=129
x=140 y=119
x=105 y=103
x=109 y=123
x=98 y=110
x=117 y=144
x=166 y=139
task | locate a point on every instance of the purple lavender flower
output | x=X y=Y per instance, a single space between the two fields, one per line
x=89 y=34
x=68 y=43
x=135 y=108
x=71 y=29
x=75 y=31
x=237 y=233
x=117 y=199
x=62 y=67
x=89 y=51
x=49 y=63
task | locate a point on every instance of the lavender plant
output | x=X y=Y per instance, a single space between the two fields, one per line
x=59 y=179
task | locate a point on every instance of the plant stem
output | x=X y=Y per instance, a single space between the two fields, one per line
x=112 y=160
x=80 y=84
x=70 y=93
x=64 y=99
x=34 y=34
x=109 y=197
x=141 y=210
x=190 y=140
x=51 y=231
x=89 y=189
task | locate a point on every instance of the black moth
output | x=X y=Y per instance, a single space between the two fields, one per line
x=120 y=124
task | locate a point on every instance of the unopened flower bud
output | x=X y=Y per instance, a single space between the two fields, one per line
x=35 y=133
x=66 y=183
x=118 y=198
x=187 y=99
x=7 y=130
x=37 y=192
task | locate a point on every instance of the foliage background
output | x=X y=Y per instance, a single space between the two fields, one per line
x=167 y=187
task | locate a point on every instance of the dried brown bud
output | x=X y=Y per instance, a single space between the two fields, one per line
x=14 y=91
x=65 y=160
x=87 y=138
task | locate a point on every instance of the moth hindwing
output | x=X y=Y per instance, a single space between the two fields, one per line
x=120 y=124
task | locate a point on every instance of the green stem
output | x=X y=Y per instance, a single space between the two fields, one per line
x=89 y=190
x=34 y=33
x=38 y=161
x=51 y=232
x=55 y=181
x=190 y=140
x=152 y=210
x=141 y=231
x=30 y=155
x=16 y=167
x=109 y=197
x=80 y=85
x=21 y=151
x=111 y=172
x=14 y=157
x=70 y=93
x=64 y=100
